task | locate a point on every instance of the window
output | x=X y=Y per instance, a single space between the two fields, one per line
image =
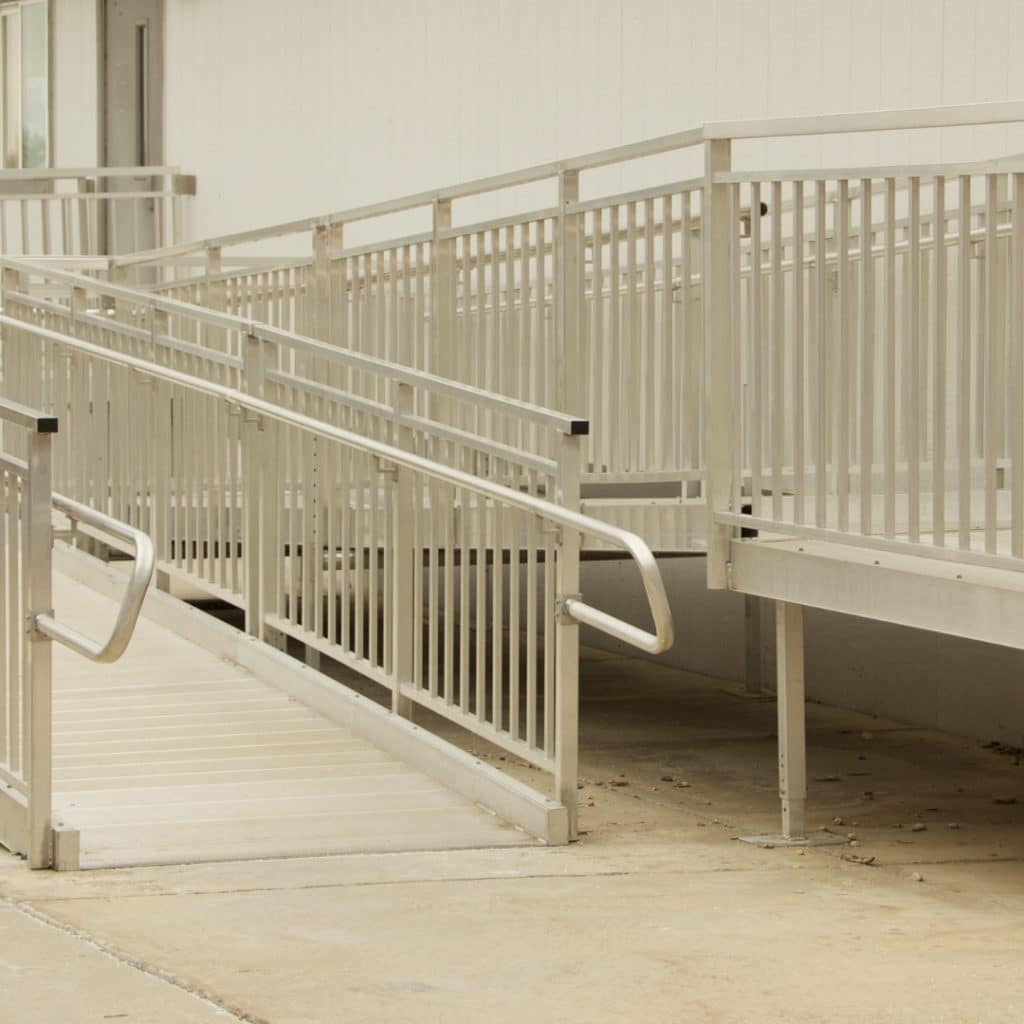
x=24 y=85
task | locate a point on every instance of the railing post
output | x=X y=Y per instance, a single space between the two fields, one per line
x=570 y=383
x=253 y=488
x=38 y=693
x=567 y=636
x=328 y=240
x=442 y=305
x=214 y=296
x=718 y=226
x=404 y=620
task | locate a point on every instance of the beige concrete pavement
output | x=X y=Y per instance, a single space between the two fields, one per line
x=657 y=915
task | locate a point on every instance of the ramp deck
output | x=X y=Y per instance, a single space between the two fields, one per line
x=174 y=755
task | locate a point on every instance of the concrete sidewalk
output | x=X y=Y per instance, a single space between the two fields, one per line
x=656 y=915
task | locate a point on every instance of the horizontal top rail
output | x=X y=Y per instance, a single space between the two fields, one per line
x=23 y=416
x=951 y=170
x=654 y=588
x=64 y=173
x=550 y=418
x=866 y=121
x=908 y=119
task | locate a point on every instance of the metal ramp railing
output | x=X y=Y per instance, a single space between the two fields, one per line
x=28 y=625
x=436 y=563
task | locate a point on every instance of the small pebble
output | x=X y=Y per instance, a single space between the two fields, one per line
x=579 y=785
x=666 y=778
x=952 y=824
x=851 y=835
x=618 y=782
x=1005 y=800
x=682 y=785
x=919 y=827
x=837 y=821
x=854 y=842
x=800 y=852
x=917 y=876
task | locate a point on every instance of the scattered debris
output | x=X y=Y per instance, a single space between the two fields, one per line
x=952 y=824
x=666 y=778
x=838 y=821
x=855 y=858
x=851 y=835
x=917 y=876
x=919 y=826
x=618 y=782
x=854 y=842
x=682 y=785
x=1004 y=800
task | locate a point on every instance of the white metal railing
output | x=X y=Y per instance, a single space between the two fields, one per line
x=589 y=306
x=28 y=624
x=873 y=325
x=90 y=211
x=602 y=304
x=451 y=582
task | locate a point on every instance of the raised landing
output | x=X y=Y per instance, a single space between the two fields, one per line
x=174 y=755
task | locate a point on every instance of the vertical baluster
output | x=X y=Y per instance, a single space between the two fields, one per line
x=799 y=384
x=844 y=361
x=867 y=360
x=913 y=367
x=618 y=405
x=821 y=345
x=776 y=346
x=993 y=361
x=889 y=413
x=939 y=365
x=1015 y=345
x=756 y=350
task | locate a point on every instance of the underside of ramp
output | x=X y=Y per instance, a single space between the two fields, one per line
x=176 y=755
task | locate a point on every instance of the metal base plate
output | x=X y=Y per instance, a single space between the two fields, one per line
x=814 y=839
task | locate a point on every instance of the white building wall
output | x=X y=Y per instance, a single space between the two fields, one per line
x=285 y=110
x=74 y=134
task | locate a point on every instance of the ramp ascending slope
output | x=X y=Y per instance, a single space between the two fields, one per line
x=174 y=755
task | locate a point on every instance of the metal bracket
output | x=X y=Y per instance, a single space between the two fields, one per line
x=31 y=630
x=562 y=616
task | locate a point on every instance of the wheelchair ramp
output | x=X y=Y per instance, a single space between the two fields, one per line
x=173 y=755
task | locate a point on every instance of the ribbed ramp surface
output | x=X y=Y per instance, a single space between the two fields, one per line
x=173 y=755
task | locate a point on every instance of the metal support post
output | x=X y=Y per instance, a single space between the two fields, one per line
x=718 y=226
x=567 y=638
x=252 y=483
x=570 y=384
x=789 y=640
x=442 y=305
x=752 y=638
x=405 y=620
x=39 y=660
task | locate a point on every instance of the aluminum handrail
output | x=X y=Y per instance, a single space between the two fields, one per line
x=131 y=604
x=907 y=119
x=563 y=422
x=654 y=588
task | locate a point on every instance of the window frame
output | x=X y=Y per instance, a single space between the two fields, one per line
x=11 y=12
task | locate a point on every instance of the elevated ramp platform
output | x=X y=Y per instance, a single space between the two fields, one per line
x=175 y=755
